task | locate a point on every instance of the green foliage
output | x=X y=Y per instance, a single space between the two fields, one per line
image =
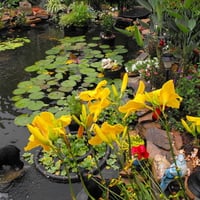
x=189 y=89
x=107 y=22
x=182 y=25
x=79 y=15
x=54 y=6
x=9 y=3
x=13 y=43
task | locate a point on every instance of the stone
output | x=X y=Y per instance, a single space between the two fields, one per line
x=158 y=137
x=178 y=141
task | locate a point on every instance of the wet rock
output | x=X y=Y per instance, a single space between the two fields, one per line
x=158 y=137
x=178 y=141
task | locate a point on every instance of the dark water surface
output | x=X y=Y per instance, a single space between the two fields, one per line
x=33 y=185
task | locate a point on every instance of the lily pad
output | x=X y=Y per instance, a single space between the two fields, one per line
x=23 y=120
x=37 y=95
x=56 y=95
x=22 y=103
x=36 y=105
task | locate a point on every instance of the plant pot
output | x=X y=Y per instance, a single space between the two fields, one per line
x=116 y=73
x=107 y=39
x=75 y=30
x=74 y=177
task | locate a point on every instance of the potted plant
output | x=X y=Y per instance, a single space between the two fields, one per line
x=77 y=18
x=107 y=35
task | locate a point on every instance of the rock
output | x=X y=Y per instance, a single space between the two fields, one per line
x=158 y=137
x=178 y=142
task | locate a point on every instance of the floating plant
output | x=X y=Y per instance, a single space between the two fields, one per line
x=69 y=67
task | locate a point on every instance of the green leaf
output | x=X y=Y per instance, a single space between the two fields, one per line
x=191 y=24
x=36 y=105
x=187 y=3
x=180 y=24
x=145 y=4
x=138 y=37
x=23 y=120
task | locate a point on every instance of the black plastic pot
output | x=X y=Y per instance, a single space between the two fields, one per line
x=194 y=183
x=113 y=73
x=73 y=176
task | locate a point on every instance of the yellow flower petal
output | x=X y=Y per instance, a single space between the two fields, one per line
x=124 y=83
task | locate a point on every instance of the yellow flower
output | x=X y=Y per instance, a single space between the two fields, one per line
x=45 y=128
x=194 y=125
x=166 y=96
x=124 y=83
x=98 y=92
x=107 y=133
x=137 y=103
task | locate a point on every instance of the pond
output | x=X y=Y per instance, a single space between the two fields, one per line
x=32 y=185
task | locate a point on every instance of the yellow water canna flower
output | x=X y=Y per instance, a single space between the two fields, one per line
x=166 y=96
x=195 y=120
x=124 y=83
x=38 y=138
x=93 y=94
x=96 y=107
x=106 y=133
x=137 y=103
x=193 y=125
x=45 y=128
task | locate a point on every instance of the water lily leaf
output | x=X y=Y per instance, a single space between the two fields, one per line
x=90 y=80
x=32 y=68
x=65 y=111
x=59 y=76
x=54 y=50
x=22 y=103
x=96 y=38
x=96 y=65
x=36 y=95
x=104 y=46
x=56 y=95
x=62 y=102
x=92 y=44
x=36 y=105
x=23 y=120
x=44 y=77
x=19 y=91
x=99 y=55
x=16 y=98
x=87 y=71
x=53 y=109
x=75 y=77
x=25 y=84
x=65 y=89
x=121 y=51
x=35 y=88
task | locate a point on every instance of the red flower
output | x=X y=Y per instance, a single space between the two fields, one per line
x=162 y=43
x=156 y=114
x=140 y=151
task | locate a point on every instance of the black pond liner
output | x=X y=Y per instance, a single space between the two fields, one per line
x=73 y=176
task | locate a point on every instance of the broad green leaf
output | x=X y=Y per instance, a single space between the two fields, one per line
x=191 y=24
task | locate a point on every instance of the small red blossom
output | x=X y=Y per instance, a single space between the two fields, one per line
x=156 y=114
x=140 y=151
x=162 y=43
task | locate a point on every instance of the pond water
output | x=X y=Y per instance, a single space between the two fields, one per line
x=33 y=185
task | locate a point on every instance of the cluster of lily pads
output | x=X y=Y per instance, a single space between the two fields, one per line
x=72 y=66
